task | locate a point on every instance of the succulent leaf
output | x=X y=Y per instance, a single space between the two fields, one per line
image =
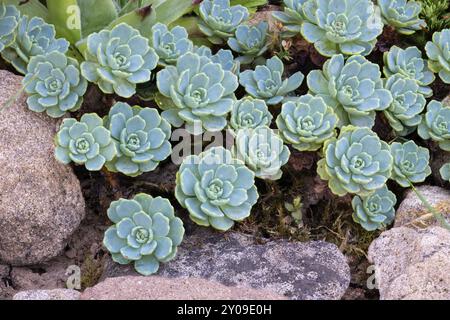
x=445 y=172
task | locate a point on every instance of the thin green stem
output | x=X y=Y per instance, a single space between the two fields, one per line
x=439 y=216
x=8 y=103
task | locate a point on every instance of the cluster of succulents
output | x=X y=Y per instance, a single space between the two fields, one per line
x=145 y=232
x=403 y=15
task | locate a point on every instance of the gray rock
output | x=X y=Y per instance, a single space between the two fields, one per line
x=41 y=203
x=313 y=270
x=412 y=264
x=159 y=288
x=56 y=294
x=412 y=212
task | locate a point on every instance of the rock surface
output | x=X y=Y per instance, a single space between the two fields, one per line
x=159 y=288
x=412 y=264
x=412 y=211
x=41 y=203
x=314 y=270
x=56 y=294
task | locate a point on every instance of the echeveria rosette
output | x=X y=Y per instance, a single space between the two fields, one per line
x=404 y=113
x=435 y=124
x=411 y=163
x=197 y=92
x=357 y=162
x=9 y=19
x=403 y=15
x=216 y=189
x=145 y=232
x=224 y=57
x=33 y=37
x=375 y=211
x=445 y=172
x=141 y=137
x=438 y=52
x=250 y=113
x=250 y=42
x=266 y=82
x=170 y=44
x=307 y=123
x=54 y=84
x=349 y=27
x=118 y=59
x=86 y=142
x=409 y=64
x=219 y=20
x=353 y=88
x=263 y=151
x=291 y=17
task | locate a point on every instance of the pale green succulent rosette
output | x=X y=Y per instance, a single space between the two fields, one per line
x=375 y=211
x=291 y=17
x=9 y=20
x=266 y=82
x=250 y=42
x=145 y=232
x=435 y=124
x=118 y=59
x=403 y=15
x=33 y=37
x=170 y=44
x=353 y=88
x=349 y=27
x=445 y=172
x=220 y=20
x=307 y=123
x=216 y=189
x=263 y=151
x=404 y=113
x=54 y=84
x=197 y=92
x=411 y=163
x=438 y=52
x=223 y=57
x=250 y=113
x=141 y=137
x=409 y=64
x=357 y=162
x=86 y=142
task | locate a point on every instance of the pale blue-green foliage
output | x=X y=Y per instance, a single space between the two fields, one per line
x=411 y=163
x=54 y=84
x=404 y=113
x=170 y=44
x=263 y=151
x=216 y=189
x=220 y=20
x=145 y=232
x=33 y=37
x=438 y=52
x=9 y=19
x=250 y=42
x=403 y=15
x=291 y=17
x=86 y=142
x=356 y=162
x=199 y=93
x=266 y=81
x=250 y=113
x=341 y=26
x=307 y=122
x=224 y=57
x=141 y=137
x=353 y=88
x=118 y=59
x=445 y=172
x=375 y=211
x=435 y=124
x=409 y=64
